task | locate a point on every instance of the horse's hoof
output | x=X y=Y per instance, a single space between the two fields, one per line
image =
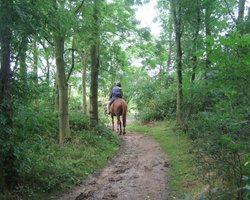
x=124 y=133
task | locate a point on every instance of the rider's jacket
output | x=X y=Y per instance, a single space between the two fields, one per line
x=115 y=93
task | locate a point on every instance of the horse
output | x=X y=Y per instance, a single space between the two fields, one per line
x=119 y=109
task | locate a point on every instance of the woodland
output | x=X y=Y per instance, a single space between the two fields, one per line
x=60 y=58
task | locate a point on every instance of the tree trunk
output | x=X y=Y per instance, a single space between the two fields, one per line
x=170 y=44
x=35 y=61
x=64 y=129
x=46 y=56
x=208 y=12
x=94 y=67
x=94 y=84
x=7 y=157
x=47 y=68
x=84 y=57
x=196 y=35
x=194 y=57
x=56 y=93
x=23 y=56
x=176 y=11
x=240 y=19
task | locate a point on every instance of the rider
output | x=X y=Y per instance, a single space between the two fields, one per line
x=115 y=93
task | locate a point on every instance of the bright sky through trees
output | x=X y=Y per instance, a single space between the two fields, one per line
x=146 y=14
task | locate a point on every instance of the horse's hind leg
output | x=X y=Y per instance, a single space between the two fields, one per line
x=113 y=123
x=124 y=131
x=119 y=130
x=124 y=124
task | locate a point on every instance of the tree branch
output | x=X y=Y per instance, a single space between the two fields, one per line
x=77 y=10
x=72 y=65
x=230 y=13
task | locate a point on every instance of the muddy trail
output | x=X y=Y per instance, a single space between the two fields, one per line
x=138 y=172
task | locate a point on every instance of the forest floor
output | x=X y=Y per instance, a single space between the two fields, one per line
x=137 y=172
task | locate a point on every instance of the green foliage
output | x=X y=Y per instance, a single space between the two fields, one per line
x=219 y=123
x=215 y=104
x=221 y=152
x=28 y=122
x=45 y=172
x=157 y=101
x=79 y=120
x=41 y=171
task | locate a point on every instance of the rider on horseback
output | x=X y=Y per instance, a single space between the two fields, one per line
x=115 y=93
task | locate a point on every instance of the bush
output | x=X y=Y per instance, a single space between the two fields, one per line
x=78 y=120
x=157 y=102
x=43 y=171
x=30 y=120
x=221 y=143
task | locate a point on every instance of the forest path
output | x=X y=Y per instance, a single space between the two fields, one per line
x=138 y=172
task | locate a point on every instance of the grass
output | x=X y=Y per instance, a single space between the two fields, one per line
x=184 y=182
x=49 y=168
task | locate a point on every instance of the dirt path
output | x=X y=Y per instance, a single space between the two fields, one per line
x=138 y=172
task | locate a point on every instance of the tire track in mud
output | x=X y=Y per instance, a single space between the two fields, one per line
x=138 y=172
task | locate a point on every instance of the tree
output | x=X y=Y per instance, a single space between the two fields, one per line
x=59 y=38
x=7 y=159
x=196 y=37
x=176 y=11
x=64 y=130
x=84 y=59
x=240 y=19
x=35 y=61
x=208 y=12
x=95 y=64
x=23 y=56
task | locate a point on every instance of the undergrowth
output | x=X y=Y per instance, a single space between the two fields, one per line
x=44 y=167
x=51 y=168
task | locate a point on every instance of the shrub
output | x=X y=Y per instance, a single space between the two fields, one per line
x=78 y=120
x=221 y=143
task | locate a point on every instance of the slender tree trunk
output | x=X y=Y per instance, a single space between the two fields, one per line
x=242 y=50
x=23 y=56
x=208 y=12
x=247 y=22
x=47 y=69
x=56 y=93
x=95 y=65
x=242 y=27
x=194 y=57
x=113 y=73
x=64 y=129
x=72 y=64
x=176 y=11
x=196 y=35
x=170 y=44
x=94 y=84
x=47 y=56
x=35 y=61
x=7 y=157
x=240 y=19
x=84 y=57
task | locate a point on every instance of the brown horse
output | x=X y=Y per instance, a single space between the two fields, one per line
x=119 y=108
